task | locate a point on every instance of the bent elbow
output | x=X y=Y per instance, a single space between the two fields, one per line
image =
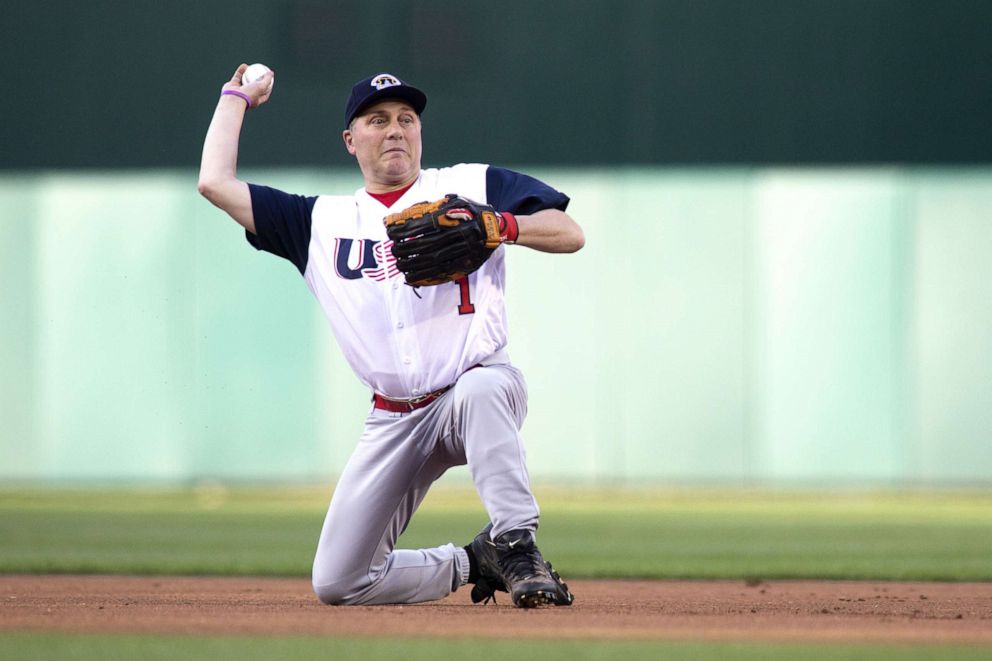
x=578 y=241
x=214 y=191
x=205 y=187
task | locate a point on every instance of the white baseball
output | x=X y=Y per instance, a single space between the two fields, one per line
x=253 y=73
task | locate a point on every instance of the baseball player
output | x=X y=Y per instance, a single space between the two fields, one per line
x=444 y=392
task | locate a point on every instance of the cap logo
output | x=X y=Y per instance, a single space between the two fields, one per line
x=384 y=80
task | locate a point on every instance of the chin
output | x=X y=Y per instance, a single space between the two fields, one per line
x=400 y=171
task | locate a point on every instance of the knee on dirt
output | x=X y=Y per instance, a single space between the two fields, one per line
x=337 y=594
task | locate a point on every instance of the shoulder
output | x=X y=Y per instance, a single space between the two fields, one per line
x=334 y=203
x=282 y=223
x=457 y=172
x=466 y=179
x=521 y=193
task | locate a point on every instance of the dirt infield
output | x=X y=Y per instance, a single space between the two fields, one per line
x=683 y=610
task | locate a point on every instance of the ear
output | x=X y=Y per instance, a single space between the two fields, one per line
x=349 y=142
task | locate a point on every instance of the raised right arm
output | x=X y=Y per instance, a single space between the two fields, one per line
x=219 y=181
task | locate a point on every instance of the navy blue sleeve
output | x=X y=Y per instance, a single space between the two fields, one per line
x=282 y=224
x=520 y=194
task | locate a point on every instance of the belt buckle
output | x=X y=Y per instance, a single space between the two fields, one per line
x=429 y=397
x=412 y=403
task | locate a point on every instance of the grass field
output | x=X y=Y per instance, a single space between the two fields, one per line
x=192 y=648
x=619 y=534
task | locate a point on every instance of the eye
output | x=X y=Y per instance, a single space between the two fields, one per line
x=377 y=121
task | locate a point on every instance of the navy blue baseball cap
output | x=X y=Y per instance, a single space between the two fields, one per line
x=379 y=87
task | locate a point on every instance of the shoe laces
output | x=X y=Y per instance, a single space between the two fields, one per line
x=523 y=563
x=483 y=591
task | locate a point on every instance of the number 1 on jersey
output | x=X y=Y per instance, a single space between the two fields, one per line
x=466 y=306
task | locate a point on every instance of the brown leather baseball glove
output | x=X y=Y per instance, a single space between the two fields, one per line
x=442 y=241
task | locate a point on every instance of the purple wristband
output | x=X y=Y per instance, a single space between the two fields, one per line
x=245 y=97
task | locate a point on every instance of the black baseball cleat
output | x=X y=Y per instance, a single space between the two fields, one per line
x=513 y=563
x=531 y=580
x=487 y=562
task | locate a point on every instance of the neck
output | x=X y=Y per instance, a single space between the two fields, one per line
x=389 y=186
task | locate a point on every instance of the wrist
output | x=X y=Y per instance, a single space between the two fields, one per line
x=241 y=95
x=508 y=228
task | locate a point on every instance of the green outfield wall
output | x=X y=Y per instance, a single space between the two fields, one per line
x=133 y=83
x=755 y=326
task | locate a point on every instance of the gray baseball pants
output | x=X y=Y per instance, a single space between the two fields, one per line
x=396 y=460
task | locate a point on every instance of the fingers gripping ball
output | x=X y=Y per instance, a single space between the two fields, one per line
x=442 y=241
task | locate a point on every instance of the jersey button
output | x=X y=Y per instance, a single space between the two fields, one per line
x=406 y=360
x=399 y=324
x=416 y=391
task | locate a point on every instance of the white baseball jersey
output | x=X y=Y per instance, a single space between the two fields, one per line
x=400 y=342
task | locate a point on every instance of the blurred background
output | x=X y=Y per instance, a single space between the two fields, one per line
x=788 y=209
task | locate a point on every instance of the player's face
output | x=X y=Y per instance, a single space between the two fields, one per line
x=385 y=139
